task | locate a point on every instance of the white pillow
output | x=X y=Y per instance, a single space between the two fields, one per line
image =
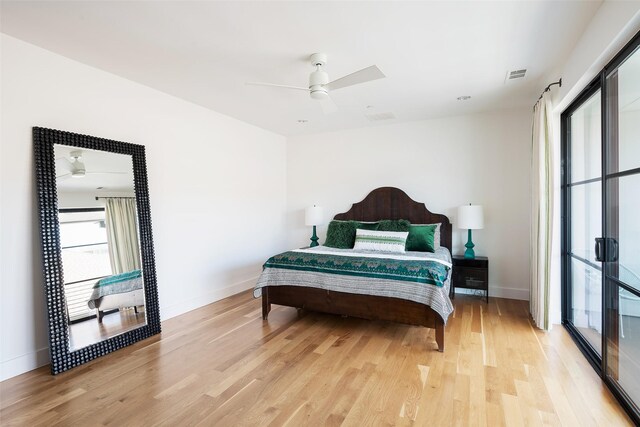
x=385 y=241
x=436 y=237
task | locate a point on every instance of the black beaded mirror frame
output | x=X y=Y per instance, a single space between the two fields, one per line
x=62 y=358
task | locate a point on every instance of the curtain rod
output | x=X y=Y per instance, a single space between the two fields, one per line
x=548 y=88
x=122 y=197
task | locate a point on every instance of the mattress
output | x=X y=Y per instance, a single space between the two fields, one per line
x=116 y=284
x=121 y=300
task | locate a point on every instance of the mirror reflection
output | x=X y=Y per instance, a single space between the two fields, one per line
x=100 y=246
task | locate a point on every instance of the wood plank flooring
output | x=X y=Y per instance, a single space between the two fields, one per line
x=90 y=331
x=223 y=365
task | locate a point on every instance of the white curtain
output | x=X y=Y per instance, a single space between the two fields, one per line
x=541 y=211
x=122 y=234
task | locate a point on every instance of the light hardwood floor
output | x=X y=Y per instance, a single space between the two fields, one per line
x=90 y=331
x=223 y=365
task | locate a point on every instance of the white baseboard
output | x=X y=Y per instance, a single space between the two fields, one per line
x=500 y=292
x=192 y=303
x=25 y=363
x=511 y=293
x=30 y=361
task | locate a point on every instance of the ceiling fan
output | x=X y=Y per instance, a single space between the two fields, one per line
x=319 y=84
x=77 y=168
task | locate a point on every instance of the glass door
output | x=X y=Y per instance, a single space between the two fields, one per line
x=621 y=247
x=601 y=224
x=584 y=191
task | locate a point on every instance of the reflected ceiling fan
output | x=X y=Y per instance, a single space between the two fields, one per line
x=77 y=168
x=320 y=86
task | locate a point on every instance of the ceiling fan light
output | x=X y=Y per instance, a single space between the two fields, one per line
x=318 y=77
x=319 y=93
x=78 y=170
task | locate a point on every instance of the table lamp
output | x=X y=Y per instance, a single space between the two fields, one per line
x=470 y=217
x=313 y=216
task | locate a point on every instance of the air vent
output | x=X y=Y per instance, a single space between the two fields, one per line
x=516 y=74
x=375 y=117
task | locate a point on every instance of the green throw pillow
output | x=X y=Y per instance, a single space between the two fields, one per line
x=421 y=238
x=394 y=225
x=369 y=226
x=341 y=234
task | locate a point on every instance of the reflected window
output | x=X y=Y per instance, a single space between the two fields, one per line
x=85 y=255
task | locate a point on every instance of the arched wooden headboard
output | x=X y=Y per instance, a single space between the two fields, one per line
x=393 y=203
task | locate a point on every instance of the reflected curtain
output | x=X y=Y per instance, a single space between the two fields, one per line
x=541 y=211
x=122 y=234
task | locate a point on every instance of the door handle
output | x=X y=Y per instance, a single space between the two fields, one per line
x=598 y=249
x=611 y=250
x=606 y=249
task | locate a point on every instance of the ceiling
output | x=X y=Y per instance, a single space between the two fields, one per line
x=105 y=172
x=204 y=52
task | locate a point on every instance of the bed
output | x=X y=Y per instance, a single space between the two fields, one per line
x=286 y=287
x=117 y=292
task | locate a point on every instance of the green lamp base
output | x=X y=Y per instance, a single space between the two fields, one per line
x=469 y=253
x=314 y=238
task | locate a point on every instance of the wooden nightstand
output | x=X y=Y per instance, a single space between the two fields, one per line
x=470 y=274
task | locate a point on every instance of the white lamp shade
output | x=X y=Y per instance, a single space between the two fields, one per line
x=314 y=215
x=470 y=217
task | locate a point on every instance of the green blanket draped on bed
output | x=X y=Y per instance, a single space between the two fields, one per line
x=420 y=271
x=116 y=278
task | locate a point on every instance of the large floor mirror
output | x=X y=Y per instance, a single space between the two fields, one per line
x=97 y=245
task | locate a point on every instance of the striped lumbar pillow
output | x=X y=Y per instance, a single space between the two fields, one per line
x=387 y=241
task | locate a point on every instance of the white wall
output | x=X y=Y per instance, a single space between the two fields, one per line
x=217 y=188
x=613 y=25
x=483 y=159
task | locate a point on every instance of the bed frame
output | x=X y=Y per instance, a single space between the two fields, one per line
x=381 y=203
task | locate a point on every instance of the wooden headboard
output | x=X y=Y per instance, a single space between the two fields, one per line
x=393 y=203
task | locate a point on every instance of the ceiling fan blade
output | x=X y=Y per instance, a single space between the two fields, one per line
x=63 y=175
x=275 y=85
x=362 y=76
x=328 y=106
